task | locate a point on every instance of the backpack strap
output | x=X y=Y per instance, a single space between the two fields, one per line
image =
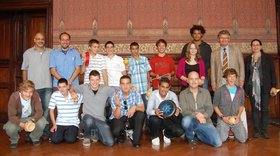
x=87 y=59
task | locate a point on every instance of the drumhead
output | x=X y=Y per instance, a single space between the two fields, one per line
x=168 y=108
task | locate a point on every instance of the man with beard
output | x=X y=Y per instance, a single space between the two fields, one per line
x=65 y=62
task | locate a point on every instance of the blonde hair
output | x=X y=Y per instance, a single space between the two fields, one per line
x=188 y=54
x=26 y=84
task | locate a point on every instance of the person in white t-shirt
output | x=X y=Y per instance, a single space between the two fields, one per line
x=114 y=64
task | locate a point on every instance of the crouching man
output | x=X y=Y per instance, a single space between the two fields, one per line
x=25 y=113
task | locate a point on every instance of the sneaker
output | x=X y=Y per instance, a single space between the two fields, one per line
x=129 y=134
x=156 y=141
x=230 y=134
x=136 y=145
x=86 y=142
x=256 y=135
x=27 y=139
x=36 y=143
x=13 y=145
x=120 y=140
x=265 y=135
x=192 y=142
x=45 y=137
x=94 y=138
x=94 y=135
x=80 y=136
x=165 y=139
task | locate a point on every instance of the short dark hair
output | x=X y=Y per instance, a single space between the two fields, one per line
x=109 y=42
x=256 y=40
x=64 y=33
x=125 y=77
x=134 y=44
x=92 y=41
x=94 y=73
x=164 y=80
x=230 y=71
x=197 y=27
x=62 y=80
x=161 y=41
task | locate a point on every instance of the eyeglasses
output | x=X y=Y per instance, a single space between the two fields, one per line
x=125 y=105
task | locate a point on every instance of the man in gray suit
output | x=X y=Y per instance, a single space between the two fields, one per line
x=226 y=56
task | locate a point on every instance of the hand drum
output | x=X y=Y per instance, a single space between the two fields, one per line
x=168 y=108
x=29 y=126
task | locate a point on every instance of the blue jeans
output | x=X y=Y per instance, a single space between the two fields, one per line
x=66 y=133
x=205 y=84
x=206 y=133
x=45 y=95
x=100 y=128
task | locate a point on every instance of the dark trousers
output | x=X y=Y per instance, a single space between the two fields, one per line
x=171 y=125
x=135 y=123
x=260 y=122
x=66 y=133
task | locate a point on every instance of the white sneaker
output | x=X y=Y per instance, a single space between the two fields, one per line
x=129 y=134
x=165 y=139
x=86 y=142
x=156 y=141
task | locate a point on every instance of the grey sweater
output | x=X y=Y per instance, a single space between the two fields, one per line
x=223 y=101
x=94 y=104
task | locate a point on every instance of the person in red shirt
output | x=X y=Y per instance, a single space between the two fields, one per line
x=161 y=64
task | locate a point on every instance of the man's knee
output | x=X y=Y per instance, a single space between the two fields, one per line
x=186 y=121
x=41 y=123
x=11 y=128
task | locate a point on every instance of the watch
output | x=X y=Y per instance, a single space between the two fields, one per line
x=221 y=117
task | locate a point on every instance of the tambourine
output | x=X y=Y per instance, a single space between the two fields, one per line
x=168 y=108
x=29 y=126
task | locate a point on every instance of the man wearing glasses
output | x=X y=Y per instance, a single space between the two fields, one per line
x=128 y=112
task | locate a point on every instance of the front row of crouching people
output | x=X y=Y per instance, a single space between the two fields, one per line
x=191 y=118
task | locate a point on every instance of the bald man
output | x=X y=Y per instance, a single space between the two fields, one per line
x=35 y=67
x=197 y=109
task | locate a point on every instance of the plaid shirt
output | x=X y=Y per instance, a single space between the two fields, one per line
x=132 y=100
x=138 y=71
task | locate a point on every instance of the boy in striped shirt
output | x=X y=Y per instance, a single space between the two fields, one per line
x=66 y=125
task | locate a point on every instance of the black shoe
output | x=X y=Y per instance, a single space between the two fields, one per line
x=120 y=140
x=265 y=135
x=13 y=146
x=36 y=143
x=45 y=137
x=256 y=135
x=136 y=145
x=192 y=142
x=27 y=139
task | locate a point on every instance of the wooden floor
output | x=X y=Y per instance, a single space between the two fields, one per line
x=253 y=147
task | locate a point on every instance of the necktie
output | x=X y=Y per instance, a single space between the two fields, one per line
x=225 y=60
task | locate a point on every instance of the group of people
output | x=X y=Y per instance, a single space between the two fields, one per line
x=50 y=81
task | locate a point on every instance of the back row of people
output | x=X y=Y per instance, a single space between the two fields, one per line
x=66 y=61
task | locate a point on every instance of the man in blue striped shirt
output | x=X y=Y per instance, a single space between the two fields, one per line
x=66 y=125
x=128 y=112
